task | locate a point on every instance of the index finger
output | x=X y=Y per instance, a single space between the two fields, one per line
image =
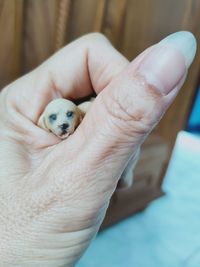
x=84 y=66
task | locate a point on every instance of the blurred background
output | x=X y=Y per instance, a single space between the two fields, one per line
x=32 y=30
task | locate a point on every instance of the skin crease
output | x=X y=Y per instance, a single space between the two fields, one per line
x=54 y=194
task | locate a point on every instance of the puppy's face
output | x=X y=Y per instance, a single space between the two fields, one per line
x=60 y=117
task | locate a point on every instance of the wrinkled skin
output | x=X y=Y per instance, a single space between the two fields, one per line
x=54 y=193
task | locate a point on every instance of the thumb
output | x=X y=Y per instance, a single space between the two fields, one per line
x=127 y=110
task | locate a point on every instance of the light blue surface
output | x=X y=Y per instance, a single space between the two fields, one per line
x=167 y=233
x=195 y=115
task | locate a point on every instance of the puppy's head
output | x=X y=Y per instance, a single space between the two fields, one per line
x=61 y=117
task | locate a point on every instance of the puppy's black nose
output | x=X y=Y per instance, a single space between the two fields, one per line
x=64 y=126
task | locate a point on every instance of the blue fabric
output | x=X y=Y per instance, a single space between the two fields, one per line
x=194 y=120
x=167 y=233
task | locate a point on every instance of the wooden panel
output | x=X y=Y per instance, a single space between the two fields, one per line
x=113 y=26
x=146 y=186
x=62 y=22
x=82 y=18
x=58 y=22
x=11 y=12
x=100 y=14
x=39 y=31
x=147 y=22
x=128 y=205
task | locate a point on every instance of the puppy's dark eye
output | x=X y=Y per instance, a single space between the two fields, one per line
x=52 y=117
x=70 y=114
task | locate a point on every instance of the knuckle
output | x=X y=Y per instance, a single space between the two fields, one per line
x=127 y=121
x=96 y=37
x=133 y=113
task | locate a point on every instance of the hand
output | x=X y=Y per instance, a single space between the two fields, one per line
x=53 y=193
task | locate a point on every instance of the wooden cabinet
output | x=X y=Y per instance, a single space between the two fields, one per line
x=147 y=182
x=32 y=30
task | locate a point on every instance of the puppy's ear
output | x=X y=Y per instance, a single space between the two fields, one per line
x=80 y=115
x=42 y=122
x=85 y=106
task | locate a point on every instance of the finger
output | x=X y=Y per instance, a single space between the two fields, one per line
x=127 y=110
x=92 y=59
x=80 y=68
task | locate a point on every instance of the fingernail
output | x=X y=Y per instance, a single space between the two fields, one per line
x=168 y=62
x=185 y=42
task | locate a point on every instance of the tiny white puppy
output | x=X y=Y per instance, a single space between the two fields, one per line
x=61 y=117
